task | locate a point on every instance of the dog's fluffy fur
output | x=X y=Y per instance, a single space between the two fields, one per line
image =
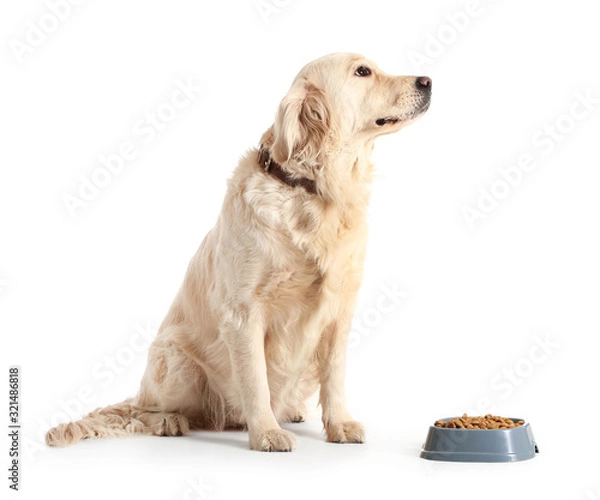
x=262 y=318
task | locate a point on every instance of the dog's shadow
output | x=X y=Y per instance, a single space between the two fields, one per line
x=234 y=438
x=239 y=438
x=300 y=430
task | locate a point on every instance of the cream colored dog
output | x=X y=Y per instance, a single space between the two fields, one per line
x=262 y=318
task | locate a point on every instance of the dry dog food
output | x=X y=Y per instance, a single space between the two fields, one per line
x=487 y=422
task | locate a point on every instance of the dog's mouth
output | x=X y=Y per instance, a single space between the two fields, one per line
x=404 y=117
x=383 y=121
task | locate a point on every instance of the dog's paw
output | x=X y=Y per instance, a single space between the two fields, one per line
x=172 y=425
x=272 y=440
x=297 y=418
x=345 y=432
x=297 y=413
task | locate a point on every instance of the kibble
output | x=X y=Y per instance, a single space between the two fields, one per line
x=482 y=423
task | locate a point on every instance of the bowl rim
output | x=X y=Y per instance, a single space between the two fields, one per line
x=447 y=419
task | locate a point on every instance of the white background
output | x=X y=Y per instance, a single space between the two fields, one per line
x=75 y=291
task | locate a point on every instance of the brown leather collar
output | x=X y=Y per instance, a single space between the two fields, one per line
x=272 y=167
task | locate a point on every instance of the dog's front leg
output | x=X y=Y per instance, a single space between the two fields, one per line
x=245 y=339
x=339 y=425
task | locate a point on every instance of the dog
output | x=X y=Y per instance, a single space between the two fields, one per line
x=262 y=318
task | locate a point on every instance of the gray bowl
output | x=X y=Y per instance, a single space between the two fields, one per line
x=479 y=445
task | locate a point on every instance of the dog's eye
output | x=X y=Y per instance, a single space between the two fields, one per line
x=362 y=71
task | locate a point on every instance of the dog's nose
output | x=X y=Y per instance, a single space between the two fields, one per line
x=423 y=83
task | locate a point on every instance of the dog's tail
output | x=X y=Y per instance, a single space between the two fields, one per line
x=122 y=419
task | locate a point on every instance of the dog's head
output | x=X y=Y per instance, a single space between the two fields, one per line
x=344 y=98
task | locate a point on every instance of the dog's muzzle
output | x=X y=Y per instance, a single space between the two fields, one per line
x=423 y=85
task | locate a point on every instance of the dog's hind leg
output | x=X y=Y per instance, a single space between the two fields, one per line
x=166 y=398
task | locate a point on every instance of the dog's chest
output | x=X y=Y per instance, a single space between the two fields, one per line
x=302 y=300
x=315 y=269
x=315 y=266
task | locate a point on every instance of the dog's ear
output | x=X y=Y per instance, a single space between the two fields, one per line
x=302 y=123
